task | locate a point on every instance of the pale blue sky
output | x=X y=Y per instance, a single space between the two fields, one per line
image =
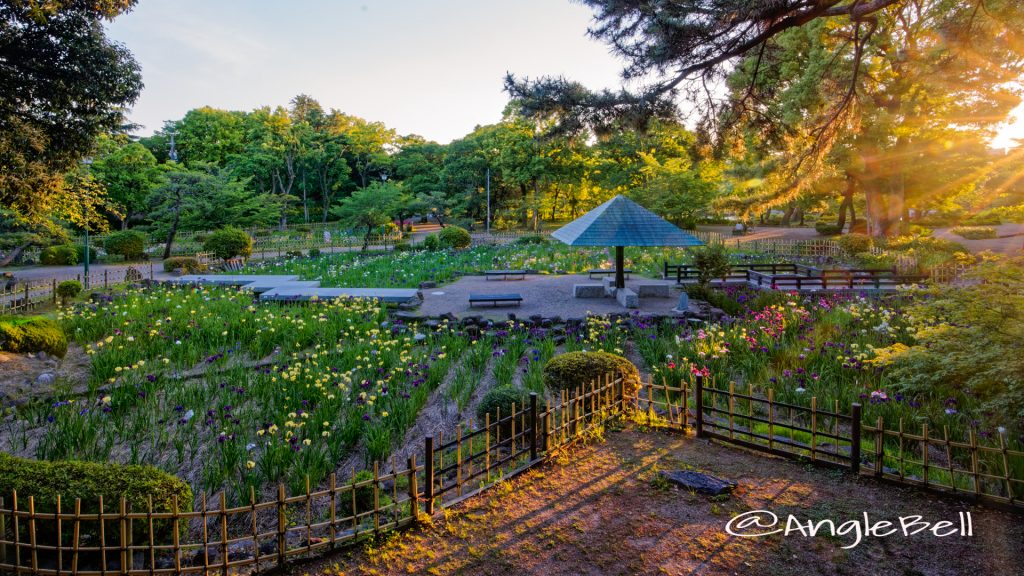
x=427 y=67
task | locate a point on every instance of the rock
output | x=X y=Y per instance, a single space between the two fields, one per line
x=46 y=379
x=427 y=285
x=407 y=316
x=588 y=291
x=419 y=337
x=511 y=317
x=432 y=324
x=627 y=298
x=699 y=482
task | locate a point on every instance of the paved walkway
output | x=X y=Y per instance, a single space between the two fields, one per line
x=542 y=294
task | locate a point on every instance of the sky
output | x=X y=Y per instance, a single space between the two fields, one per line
x=427 y=67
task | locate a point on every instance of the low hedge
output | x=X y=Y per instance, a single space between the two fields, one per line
x=62 y=255
x=576 y=370
x=87 y=481
x=33 y=334
x=827 y=228
x=500 y=399
x=975 y=232
x=187 y=264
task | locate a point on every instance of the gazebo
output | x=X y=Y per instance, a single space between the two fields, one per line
x=621 y=222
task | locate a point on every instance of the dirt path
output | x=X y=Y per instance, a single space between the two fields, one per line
x=601 y=512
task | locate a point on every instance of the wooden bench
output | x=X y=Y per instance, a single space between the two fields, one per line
x=603 y=272
x=505 y=274
x=495 y=299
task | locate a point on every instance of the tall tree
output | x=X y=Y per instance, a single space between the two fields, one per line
x=63 y=83
x=129 y=172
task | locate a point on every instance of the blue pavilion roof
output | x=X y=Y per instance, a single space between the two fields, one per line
x=622 y=222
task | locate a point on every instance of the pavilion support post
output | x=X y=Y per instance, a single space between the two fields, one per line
x=620 y=260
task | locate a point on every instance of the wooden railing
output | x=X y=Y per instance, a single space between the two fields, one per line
x=21 y=296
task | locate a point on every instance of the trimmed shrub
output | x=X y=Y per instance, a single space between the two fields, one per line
x=314 y=252
x=711 y=261
x=62 y=255
x=228 y=243
x=68 y=289
x=432 y=242
x=454 y=237
x=827 y=228
x=854 y=243
x=33 y=334
x=974 y=232
x=578 y=369
x=293 y=253
x=403 y=246
x=88 y=481
x=128 y=243
x=186 y=264
x=501 y=398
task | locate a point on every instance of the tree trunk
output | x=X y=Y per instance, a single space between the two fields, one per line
x=788 y=215
x=13 y=254
x=366 y=239
x=172 y=234
x=847 y=203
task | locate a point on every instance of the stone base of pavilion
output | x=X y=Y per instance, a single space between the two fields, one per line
x=288 y=288
x=548 y=296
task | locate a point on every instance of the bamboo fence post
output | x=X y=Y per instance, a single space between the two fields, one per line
x=355 y=503
x=698 y=400
x=376 y=498
x=414 y=493
x=924 y=451
x=1006 y=466
x=974 y=462
x=487 y=446
x=152 y=537
x=901 y=449
x=732 y=409
x=3 y=531
x=458 y=455
x=771 y=419
x=176 y=536
x=32 y=532
x=428 y=474
x=224 y=533
x=16 y=524
x=282 y=545
x=123 y=525
x=103 y=537
x=60 y=539
x=683 y=404
x=333 y=496
x=254 y=526
x=880 y=448
x=206 y=537
x=855 y=439
x=814 y=428
x=75 y=534
x=53 y=289
x=396 y=513
x=533 y=424
x=949 y=458
x=309 y=517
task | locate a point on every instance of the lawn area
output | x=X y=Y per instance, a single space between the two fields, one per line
x=570 y=517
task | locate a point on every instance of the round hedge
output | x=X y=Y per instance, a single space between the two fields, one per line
x=501 y=398
x=33 y=334
x=827 y=228
x=576 y=370
x=130 y=244
x=855 y=243
x=228 y=243
x=69 y=289
x=454 y=237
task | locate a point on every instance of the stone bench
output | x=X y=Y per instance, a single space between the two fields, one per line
x=627 y=298
x=588 y=290
x=654 y=290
